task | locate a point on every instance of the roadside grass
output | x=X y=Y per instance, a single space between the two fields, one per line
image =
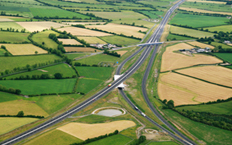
x=85 y=85
x=97 y=59
x=218 y=108
x=33 y=87
x=5 y=25
x=209 y=134
x=62 y=68
x=119 y=40
x=54 y=137
x=75 y=55
x=112 y=140
x=10 y=123
x=21 y=61
x=224 y=56
x=173 y=37
x=13 y=37
x=224 y=28
x=163 y=143
x=197 y=21
x=43 y=37
x=190 y=32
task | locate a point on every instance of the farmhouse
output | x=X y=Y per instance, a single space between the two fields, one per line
x=196 y=50
x=104 y=46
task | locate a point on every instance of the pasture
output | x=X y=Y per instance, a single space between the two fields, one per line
x=85 y=131
x=214 y=74
x=42 y=37
x=13 y=25
x=203 y=11
x=92 y=40
x=121 y=29
x=177 y=37
x=197 y=21
x=24 y=49
x=28 y=107
x=85 y=85
x=224 y=56
x=99 y=73
x=21 y=61
x=112 y=140
x=224 y=28
x=13 y=37
x=202 y=131
x=83 y=32
x=172 y=60
x=80 y=49
x=201 y=45
x=69 y=41
x=53 y=137
x=10 y=123
x=218 y=108
x=39 y=26
x=119 y=40
x=30 y=87
x=202 y=91
x=190 y=32
x=62 y=68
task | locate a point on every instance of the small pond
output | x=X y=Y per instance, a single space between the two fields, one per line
x=110 y=112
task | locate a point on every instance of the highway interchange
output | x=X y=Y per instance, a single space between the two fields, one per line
x=147 y=50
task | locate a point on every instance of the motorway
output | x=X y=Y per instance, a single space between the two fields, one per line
x=154 y=38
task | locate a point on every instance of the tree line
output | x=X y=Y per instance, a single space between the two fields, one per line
x=21 y=114
x=113 y=53
x=10 y=90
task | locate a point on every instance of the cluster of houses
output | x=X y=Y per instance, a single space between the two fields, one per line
x=227 y=42
x=196 y=50
x=104 y=46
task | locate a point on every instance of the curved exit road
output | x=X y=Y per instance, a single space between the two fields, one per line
x=154 y=38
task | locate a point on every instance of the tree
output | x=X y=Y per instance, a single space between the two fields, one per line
x=165 y=101
x=36 y=52
x=3 y=47
x=20 y=114
x=17 y=91
x=7 y=54
x=170 y=104
x=58 y=75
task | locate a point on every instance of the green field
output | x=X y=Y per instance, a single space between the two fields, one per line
x=163 y=143
x=43 y=37
x=85 y=85
x=13 y=37
x=55 y=137
x=222 y=44
x=60 y=68
x=209 y=134
x=29 y=87
x=18 y=9
x=100 y=73
x=153 y=14
x=190 y=32
x=177 y=37
x=75 y=55
x=224 y=56
x=119 y=40
x=21 y=61
x=112 y=140
x=2 y=51
x=13 y=25
x=4 y=97
x=96 y=59
x=10 y=123
x=156 y=3
x=225 y=28
x=197 y=21
x=56 y=12
x=218 y=108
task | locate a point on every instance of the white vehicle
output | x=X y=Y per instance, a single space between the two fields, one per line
x=143 y=114
x=136 y=108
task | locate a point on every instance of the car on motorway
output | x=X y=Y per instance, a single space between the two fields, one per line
x=109 y=85
x=143 y=114
x=136 y=108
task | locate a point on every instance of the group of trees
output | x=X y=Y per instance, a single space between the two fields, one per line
x=113 y=53
x=10 y=90
x=13 y=30
x=81 y=64
x=54 y=38
x=6 y=53
x=169 y=104
x=138 y=141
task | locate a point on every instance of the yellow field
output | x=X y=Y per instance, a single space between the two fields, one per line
x=10 y=123
x=121 y=52
x=82 y=23
x=202 y=91
x=204 y=11
x=172 y=60
x=92 y=40
x=83 y=32
x=202 y=45
x=230 y=44
x=205 y=1
x=70 y=41
x=39 y=26
x=23 y=49
x=79 y=49
x=215 y=74
x=85 y=131
x=28 y=107
x=121 y=29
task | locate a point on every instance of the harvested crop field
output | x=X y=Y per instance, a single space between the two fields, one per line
x=202 y=45
x=85 y=131
x=174 y=60
x=215 y=74
x=70 y=41
x=24 y=49
x=80 y=49
x=83 y=32
x=206 y=1
x=204 y=11
x=121 y=29
x=39 y=26
x=202 y=91
x=121 y=52
x=93 y=40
